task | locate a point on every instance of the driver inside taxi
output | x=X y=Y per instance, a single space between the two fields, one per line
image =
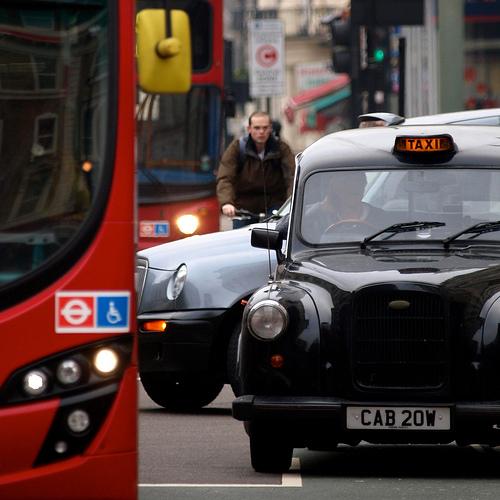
x=342 y=209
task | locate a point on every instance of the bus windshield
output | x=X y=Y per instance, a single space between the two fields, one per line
x=53 y=127
x=178 y=143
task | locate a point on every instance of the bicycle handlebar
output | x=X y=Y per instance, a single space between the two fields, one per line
x=247 y=213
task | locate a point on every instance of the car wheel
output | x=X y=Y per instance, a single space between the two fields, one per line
x=181 y=392
x=269 y=451
x=231 y=357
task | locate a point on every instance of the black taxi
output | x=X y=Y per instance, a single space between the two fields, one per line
x=381 y=322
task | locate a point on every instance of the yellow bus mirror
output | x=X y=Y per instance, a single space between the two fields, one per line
x=163 y=59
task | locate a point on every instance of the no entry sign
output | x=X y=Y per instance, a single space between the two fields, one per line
x=266 y=57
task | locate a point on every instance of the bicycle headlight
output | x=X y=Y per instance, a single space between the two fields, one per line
x=267 y=320
x=176 y=283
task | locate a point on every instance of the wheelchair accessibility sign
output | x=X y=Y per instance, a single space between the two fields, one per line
x=92 y=312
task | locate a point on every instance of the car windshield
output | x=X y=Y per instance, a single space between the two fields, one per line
x=283 y=210
x=433 y=204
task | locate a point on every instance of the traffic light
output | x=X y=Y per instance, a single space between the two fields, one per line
x=378 y=55
x=378 y=46
x=341 y=32
x=377 y=73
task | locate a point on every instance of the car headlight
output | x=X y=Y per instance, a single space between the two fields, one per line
x=267 y=320
x=176 y=283
x=188 y=223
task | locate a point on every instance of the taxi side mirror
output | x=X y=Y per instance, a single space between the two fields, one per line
x=271 y=239
x=266 y=238
x=163 y=51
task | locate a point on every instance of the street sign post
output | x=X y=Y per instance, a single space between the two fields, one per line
x=266 y=58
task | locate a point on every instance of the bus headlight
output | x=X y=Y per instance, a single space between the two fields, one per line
x=69 y=372
x=267 y=320
x=78 y=421
x=176 y=283
x=85 y=380
x=35 y=383
x=106 y=361
x=188 y=223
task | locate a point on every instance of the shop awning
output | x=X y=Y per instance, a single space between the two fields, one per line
x=319 y=97
x=330 y=100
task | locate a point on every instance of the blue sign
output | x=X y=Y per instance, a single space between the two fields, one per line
x=161 y=229
x=112 y=311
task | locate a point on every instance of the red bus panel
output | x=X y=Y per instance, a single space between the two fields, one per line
x=68 y=375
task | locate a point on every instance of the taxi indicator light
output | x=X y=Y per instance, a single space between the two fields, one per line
x=158 y=325
x=424 y=144
x=277 y=361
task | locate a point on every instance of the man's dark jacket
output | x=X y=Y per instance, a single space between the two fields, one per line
x=243 y=184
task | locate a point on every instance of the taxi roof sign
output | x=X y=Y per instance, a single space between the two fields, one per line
x=442 y=143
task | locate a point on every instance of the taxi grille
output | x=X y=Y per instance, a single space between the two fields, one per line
x=406 y=347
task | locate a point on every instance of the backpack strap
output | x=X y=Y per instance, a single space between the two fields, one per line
x=241 y=153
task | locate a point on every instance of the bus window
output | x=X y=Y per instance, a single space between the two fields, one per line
x=53 y=110
x=176 y=138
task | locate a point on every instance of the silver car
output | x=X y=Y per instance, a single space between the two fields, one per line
x=191 y=295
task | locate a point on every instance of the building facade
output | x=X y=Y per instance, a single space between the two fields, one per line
x=451 y=62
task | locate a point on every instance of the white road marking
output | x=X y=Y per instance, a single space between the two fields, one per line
x=290 y=479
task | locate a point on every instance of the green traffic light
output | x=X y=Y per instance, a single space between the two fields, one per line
x=378 y=55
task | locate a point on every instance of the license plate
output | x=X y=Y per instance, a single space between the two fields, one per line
x=400 y=417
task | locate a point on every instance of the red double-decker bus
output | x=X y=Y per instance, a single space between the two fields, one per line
x=68 y=362
x=179 y=137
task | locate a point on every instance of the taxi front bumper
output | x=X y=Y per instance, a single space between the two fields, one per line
x=249 y=407
x=471 y=422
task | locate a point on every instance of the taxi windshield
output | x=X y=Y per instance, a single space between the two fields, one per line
x=349 y=206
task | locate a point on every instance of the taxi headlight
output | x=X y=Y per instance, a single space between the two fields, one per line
x=176 y=283
x=188 y=223
x=267 y=320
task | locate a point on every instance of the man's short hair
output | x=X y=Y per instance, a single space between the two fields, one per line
x=258 y=113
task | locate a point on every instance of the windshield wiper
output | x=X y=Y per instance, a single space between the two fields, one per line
x=402 y=227
x=476 y=229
